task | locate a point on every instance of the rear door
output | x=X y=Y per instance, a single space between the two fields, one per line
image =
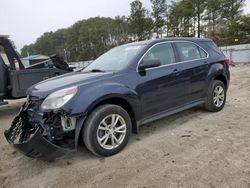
x=193 y=65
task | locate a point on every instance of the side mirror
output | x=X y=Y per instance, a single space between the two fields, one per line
x=151 y=63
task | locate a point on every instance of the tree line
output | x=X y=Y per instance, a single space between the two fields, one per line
x=221 y=20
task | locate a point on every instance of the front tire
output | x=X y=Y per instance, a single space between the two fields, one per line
x=216 y=96
x=107 y=130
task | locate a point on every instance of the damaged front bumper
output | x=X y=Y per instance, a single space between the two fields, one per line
x=38 y=147
x=43 y=135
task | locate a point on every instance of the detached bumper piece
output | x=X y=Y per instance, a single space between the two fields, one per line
x=3 y=102
x=32 y=139
x=38 y=147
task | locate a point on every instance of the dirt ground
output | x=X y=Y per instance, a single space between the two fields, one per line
x=193 y=148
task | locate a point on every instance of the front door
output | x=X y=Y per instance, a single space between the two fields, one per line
x=161 y=88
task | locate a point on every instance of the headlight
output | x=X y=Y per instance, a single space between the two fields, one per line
x=59 y=98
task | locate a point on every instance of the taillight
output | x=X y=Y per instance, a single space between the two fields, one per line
x=227 y=61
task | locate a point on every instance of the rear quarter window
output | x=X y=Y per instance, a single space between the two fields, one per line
x=203 y=53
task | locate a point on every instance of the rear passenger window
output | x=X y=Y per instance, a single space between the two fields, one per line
x=163 y=52
x=188 y=51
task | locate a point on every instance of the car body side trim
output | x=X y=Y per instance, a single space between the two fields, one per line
x=171 y=111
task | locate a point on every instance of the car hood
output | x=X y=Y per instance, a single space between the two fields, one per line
x=44 y=88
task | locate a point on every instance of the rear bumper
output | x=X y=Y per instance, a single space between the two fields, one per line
x=38 y=147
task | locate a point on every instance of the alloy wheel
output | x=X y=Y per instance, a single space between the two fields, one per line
x=111 y=131
x=218 y=96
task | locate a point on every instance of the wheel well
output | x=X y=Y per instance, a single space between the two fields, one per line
x=122 y=103
x=221 y=78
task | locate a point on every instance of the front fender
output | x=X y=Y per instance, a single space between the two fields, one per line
x=88 y=97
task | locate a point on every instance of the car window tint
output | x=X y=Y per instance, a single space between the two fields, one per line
x=188 y=51
x=163 y=52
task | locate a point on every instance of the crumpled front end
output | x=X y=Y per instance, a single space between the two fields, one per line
x=46 y=135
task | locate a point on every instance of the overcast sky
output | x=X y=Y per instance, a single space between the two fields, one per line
x=25 y=20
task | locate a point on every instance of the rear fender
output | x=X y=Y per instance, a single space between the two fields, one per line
x=214 y=71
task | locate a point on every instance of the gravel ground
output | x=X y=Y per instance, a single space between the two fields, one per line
x=193 y=148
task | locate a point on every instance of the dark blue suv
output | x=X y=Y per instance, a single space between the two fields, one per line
x=128 y=86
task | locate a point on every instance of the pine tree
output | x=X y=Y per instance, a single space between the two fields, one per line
x=140 y=23
x=159 y=13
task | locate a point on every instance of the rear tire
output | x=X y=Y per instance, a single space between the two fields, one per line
x=107 y=130
x=216 y=97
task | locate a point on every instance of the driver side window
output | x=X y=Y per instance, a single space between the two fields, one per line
x=163 y=52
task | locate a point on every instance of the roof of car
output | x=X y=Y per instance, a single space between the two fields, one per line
x=153 y=41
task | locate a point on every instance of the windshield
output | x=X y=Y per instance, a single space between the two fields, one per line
x=115 y=59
